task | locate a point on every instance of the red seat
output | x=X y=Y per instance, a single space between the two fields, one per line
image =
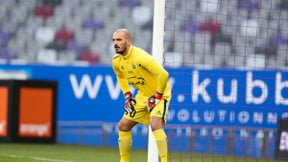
x=89 y=56
x=44 y=11
x=64 y=35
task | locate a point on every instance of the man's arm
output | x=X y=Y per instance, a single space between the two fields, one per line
x=123 y=83
x=154 y=68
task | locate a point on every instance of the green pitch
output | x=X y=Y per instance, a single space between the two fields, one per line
x=75 y=153
x=62 y=153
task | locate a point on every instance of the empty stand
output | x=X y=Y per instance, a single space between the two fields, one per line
x=234 y=29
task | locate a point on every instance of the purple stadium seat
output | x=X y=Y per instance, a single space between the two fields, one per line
x=279 y=39
x=93 y=24
x=4 y=36
x=130 y=3
x=248 y=4
x=75 y=46
x=190 y=26
x=7 y=54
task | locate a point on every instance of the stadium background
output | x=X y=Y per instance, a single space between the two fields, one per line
x=70 y=41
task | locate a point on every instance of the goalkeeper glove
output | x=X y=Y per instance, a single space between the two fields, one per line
x=153 y=100
x=130 y=101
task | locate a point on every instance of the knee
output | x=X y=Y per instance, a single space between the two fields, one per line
x=122 y=127
x=125 y=125
x=155 y=126
x=156 y=123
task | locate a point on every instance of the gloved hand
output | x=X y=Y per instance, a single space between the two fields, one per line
x=153 y=100
x=129 y=103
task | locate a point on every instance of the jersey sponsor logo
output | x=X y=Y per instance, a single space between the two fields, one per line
x=136 y=81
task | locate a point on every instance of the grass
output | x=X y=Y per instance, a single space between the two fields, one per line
x=62 y=153
x=15 y=152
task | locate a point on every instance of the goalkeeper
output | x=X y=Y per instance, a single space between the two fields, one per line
x=134 y=66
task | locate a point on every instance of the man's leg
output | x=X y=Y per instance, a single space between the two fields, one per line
x=160 y=137
x=125 y=143
x=161 y=141
x=125 y=138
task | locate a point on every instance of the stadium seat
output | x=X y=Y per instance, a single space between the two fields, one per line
x=173 y=59
x=4 y=36
x=92 y=24
x=67 y=56
x=44 y=11
x=279 y=39
x=221 y=38
x=249 y=5
x=48 y=56
x=283 y=5
x=141 y=15
x=189 y=25
x=130 y=3
x=75 y=46
x=52 y=2
x=211 y=26
x=56 y=45
x=193 y=60
x=249 y=27
x=89 y=56
x=209 y=5
x=84 y=36
x=7 y=54
x=45 y=34
x=64 y=35
x=255 y=61
x=222 y=49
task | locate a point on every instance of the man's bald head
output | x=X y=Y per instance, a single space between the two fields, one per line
x=124 y=32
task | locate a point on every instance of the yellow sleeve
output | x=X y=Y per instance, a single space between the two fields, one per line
x=155 y=69
x=122 y=81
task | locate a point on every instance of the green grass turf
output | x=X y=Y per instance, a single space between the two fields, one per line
x=62 y=153
x=12 y=152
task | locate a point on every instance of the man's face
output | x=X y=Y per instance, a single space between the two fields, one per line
x=121 y=43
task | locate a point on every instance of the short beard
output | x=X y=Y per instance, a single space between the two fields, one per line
x=120 y=52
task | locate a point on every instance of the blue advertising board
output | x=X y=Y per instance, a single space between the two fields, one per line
x=200 y=97
x=209 y=100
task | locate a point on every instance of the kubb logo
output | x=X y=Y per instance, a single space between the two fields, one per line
x=200 y=88
x=283 y=146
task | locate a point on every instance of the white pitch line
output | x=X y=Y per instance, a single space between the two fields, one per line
x=52 y=160
x=35 y=158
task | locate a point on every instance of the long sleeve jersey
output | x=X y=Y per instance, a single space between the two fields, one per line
x=142 y=71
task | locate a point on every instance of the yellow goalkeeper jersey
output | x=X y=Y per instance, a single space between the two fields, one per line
x=142 y=71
